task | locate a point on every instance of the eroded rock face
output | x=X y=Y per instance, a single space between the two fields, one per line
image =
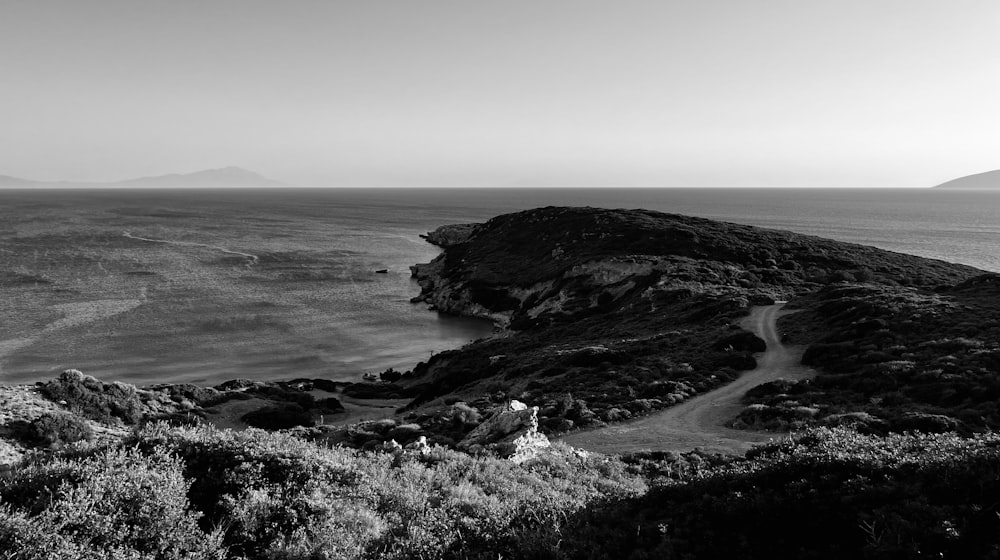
x=452 y=296
x=511 y=433
x=453 y=234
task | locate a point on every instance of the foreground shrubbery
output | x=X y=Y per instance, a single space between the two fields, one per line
x=202 y=493
x=829 y=494
x=197 y=492
x=108 y=503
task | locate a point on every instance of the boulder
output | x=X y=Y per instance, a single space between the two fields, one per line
x=511 y=433
x=419 y=446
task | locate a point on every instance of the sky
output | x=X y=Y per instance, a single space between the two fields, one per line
x=544 y=93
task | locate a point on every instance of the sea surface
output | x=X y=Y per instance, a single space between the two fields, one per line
x=201 y=286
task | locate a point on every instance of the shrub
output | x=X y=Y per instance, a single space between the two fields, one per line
x=94 y=399
x=464 y=416
x=280 y=497
x=114 y=503
x=827 y=494
x=58 y=428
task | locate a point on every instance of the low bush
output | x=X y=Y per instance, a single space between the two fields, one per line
x=171 y=493
x=827 y=494
x=113 y=503
x=108 y=403
x=58 y=428
x=280 y=497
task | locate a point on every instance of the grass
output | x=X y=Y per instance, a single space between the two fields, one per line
x=892 y=359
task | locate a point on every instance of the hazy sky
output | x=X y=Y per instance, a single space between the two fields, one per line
x=504 y=92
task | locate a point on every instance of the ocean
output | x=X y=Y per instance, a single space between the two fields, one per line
x=201 y=286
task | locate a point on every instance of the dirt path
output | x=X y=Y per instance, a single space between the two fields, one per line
x=700 y=422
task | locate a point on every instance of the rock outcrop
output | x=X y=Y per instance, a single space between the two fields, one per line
x=453 y=234
x=511 y=433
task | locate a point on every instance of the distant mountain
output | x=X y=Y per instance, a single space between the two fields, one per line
x=224 y=177
x=8 y=181
x=987 y=180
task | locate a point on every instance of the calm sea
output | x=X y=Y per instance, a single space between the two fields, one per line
x=186 y=306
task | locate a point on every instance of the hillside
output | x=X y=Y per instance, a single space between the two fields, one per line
x=891 y=359
x=610 y=314
x=989 y=180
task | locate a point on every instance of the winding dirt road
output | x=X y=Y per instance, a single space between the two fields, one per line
x=700 y=422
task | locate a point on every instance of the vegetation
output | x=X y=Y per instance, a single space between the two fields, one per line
x=57 y=429
x=169 y=492
x=103 y=503
x=611 y=314
x=825 y=494
x=91 y=398
x=893 y=359
x=196 y=492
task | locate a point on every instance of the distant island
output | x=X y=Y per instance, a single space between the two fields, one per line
x=222 y=177
x=980 y=181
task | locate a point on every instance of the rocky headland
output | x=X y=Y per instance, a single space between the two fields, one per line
x=605 y=315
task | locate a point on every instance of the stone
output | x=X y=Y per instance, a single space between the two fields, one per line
x=511 y=433
x=420 y=445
